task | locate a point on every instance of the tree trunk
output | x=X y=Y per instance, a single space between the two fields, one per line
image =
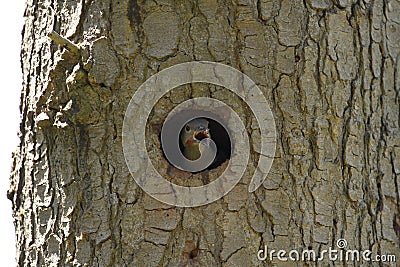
x=329 y=69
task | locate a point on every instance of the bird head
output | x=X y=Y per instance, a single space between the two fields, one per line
x=194 y=131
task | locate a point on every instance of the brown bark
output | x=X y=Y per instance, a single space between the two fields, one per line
x=330 y=70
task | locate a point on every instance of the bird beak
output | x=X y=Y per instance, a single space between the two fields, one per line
x=201 y=134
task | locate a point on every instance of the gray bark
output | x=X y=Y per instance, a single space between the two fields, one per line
x=330 y=70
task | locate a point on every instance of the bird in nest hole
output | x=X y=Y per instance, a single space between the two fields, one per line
x=191 y=136
x=199 y=129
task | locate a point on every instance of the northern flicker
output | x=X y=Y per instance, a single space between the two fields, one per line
x=191 y=136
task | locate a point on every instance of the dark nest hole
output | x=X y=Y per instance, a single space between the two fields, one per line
x=185 y=178
x=217 y=132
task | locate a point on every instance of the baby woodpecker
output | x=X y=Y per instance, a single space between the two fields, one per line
x=191 y=136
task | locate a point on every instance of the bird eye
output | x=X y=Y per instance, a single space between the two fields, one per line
x=187 y=128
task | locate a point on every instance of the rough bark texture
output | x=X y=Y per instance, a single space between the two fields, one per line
x=330 y=70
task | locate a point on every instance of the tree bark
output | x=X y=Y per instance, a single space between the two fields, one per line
x=329 y=69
